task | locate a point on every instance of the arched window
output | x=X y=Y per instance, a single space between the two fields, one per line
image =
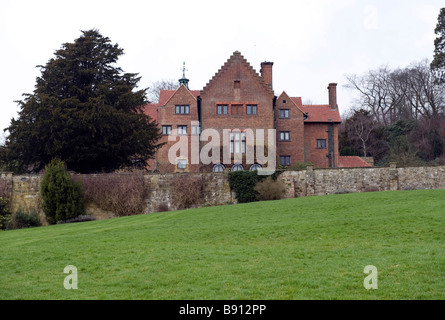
x=255 y=167
x=218 y=167
x=237 y=167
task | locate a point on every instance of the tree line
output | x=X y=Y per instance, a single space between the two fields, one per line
x=399 y=114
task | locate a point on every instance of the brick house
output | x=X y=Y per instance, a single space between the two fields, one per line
x=235 y=100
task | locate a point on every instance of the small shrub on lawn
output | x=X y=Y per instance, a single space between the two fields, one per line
x=342 y=191
x=62 y=196
x=270 y=189
x=21 y=219
x=163 y=207
x=187 y=190
x=81 y=218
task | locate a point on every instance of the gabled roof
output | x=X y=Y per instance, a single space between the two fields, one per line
x=151 y=110
x=352 y=162
x=165 y=95
x=318 y=113
x=295 y=101
x=234 y=57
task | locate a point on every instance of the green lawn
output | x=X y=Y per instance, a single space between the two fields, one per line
x=305 y=248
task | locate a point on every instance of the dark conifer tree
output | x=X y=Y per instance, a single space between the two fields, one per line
x=84 y=111
x=438 y=63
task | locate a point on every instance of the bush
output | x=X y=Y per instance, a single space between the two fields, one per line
x=81 y=218
x=342 y=191
x=21 y=219
x=62 y=196
x=243 y=183
x=163 y=207
x=123 y=194
x=270 y=189
x=5 y=214
x=187 y=190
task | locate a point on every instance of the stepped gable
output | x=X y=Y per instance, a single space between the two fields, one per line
x=237 y=56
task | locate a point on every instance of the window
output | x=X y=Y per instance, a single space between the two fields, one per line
x=196 y=130
x=284 y=136
x=252 y=109
x=238 y=142
x=237 y=84
x=222 y=109
x=237 y=109
x=285 y=160
x=182 y=109
x=218 y=167
x=237 y=167
x=284 y=101
x=182 y=130
x=284 y=113
x=321 y=143
x=182 y=164
x=166 y=130
x=255 y=167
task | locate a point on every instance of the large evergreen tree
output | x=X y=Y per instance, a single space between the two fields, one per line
x=438 y=63
x=84 y=111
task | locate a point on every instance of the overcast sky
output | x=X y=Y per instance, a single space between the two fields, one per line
x=311 y=42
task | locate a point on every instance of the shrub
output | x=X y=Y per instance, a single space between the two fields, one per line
x=270 y=189
x=5 y=214
x=187 y=190
x=5 y=189
x=62 y=196
x=342 y=191
x=163 y=207
x=21 y=219
x=124 y=194
x=81 y=218
x=243 y=183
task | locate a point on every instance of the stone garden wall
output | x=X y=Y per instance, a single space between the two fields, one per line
x=24 y=190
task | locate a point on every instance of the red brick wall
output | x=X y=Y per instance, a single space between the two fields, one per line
x=312 y=132
x=250 y=89
x=167 y=116
x=294 y=124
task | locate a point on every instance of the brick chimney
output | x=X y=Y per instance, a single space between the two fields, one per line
x=266 y=73
x=333 y=96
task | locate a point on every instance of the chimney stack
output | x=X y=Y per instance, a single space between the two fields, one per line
x=266 y=73
x=333 y=96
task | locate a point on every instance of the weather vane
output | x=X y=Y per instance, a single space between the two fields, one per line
x=183 y=70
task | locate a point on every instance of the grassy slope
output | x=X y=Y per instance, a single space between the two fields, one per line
x=306 y=248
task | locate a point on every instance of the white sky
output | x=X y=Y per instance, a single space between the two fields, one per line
x=311 y=42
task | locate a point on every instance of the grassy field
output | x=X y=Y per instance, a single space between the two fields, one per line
x=305 y=248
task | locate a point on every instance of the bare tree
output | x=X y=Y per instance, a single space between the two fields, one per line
x=157 y=86
x=378 y=92
x=359 y=126
x=392 y=95
x=423 y=94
